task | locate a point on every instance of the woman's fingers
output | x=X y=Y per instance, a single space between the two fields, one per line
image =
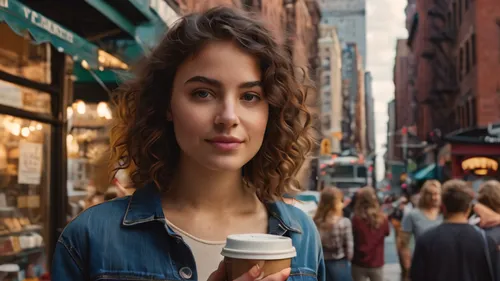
x=219 y=274
x=256 y=273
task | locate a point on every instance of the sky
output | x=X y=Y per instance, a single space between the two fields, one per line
x=385 y=24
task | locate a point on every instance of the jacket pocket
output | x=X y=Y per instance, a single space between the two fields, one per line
x=303 y=274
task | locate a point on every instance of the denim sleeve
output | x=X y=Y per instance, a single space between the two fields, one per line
x=66 y=264
x=321 y=275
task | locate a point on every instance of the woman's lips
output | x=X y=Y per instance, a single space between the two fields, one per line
x=225 y=143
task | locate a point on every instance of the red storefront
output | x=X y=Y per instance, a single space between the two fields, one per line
x=475 y=154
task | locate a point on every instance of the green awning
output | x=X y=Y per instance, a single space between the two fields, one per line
x=427 y=173
x=23 y=19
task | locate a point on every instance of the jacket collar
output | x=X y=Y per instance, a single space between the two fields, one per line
x=145 y=206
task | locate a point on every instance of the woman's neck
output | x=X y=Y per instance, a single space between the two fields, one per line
x=196 y=187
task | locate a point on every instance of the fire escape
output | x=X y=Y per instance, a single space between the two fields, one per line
x=444 y=84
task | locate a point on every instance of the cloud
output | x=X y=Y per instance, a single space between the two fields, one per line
x=385 y=24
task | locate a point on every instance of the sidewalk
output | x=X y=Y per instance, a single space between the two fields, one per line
x=392 y=272
x=392 y=269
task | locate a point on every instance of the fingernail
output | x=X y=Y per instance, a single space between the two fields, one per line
x=255 y=271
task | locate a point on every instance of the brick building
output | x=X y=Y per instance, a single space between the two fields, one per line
x=455 y=46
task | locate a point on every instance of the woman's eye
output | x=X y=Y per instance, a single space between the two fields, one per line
x=202 y=94
x=250 y=97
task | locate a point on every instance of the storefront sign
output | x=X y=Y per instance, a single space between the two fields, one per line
x=47 y=24
x=478 y=163
x=10 y=95
x=489 y=139
x=30 y=163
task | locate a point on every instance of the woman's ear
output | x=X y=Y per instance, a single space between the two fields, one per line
x=169 y=115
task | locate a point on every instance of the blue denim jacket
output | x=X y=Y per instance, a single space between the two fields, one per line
x=128 y=239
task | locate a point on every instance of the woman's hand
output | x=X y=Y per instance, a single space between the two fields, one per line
x=255 y=273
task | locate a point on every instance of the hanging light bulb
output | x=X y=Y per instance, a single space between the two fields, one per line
x=80 y=107
x=103 y=110
x=39 y=127
x=15 y=129
x=25 y=132
x=32 y=126
x=69 y=112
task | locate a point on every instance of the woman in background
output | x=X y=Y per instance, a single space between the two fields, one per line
x=370 y=227
x=336 y=234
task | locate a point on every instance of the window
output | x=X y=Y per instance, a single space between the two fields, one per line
x=460 y=64
x=454 y=14
x=459 y=11
x=467 y=57
x=473 y=110
x=449 y=20
x=473 y=48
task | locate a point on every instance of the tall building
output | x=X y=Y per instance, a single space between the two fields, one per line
x=403 y=97
x=349 y=16
x=331 y=86
x=370 y=114
x=353 y=105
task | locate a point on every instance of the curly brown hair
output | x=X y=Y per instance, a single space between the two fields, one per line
x=143 y=141
x=367 y=207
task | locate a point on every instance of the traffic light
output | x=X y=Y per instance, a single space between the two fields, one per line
x=404 y=131
x=326 y=147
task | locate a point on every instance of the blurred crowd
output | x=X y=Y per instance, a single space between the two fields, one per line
x=443 y=232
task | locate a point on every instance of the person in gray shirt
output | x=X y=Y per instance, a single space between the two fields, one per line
x=419 y=220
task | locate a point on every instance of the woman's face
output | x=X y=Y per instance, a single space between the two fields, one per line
x=218 y=107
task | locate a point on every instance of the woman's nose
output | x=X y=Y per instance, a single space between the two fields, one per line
x=227 y=115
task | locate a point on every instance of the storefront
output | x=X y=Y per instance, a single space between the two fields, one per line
x=475 y=154
x=36 y=60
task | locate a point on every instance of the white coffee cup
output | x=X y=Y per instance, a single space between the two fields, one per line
x=272 y=253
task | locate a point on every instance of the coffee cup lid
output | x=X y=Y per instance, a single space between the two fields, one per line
x=258 y=247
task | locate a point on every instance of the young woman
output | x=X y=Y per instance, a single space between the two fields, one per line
x=336 y=234
x=370 y=227
x=213 y=130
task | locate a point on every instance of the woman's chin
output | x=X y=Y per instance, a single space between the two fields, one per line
x=228 y=164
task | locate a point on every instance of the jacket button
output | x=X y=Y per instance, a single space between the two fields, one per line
x=185 y=272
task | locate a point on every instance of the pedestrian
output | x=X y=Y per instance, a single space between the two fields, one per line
x=213 y=129
x=489 y=196
x=455 y=250
x=370 y=227
x=336 y=234
x=417 y=221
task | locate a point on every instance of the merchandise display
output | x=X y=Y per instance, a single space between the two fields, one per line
x=24 y=152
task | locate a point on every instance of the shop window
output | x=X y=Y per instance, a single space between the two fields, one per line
x=24 y=98
x=24 y=189
x=20 y=57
